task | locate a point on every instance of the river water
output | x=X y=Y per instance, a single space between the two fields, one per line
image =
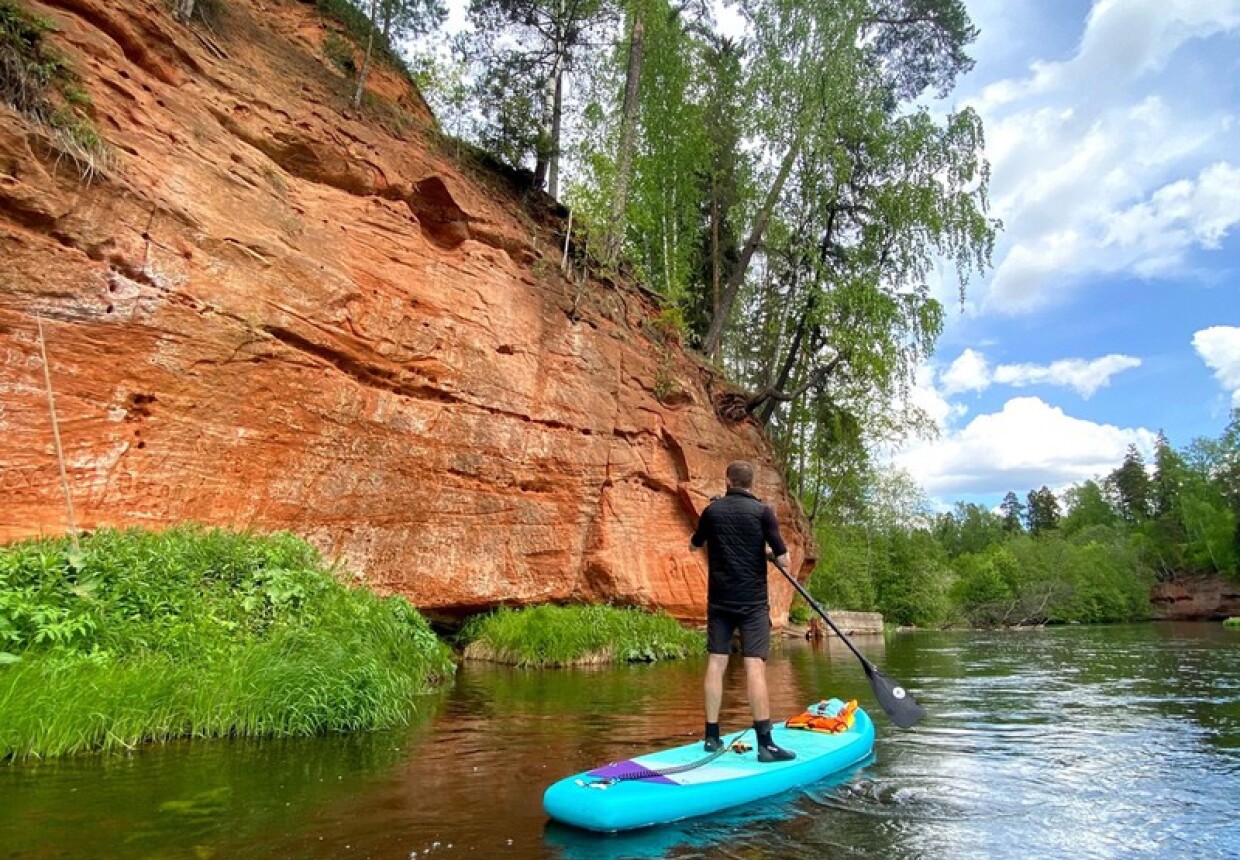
x=1083 y=741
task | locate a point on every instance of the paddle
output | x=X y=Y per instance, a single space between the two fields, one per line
x=897 y=702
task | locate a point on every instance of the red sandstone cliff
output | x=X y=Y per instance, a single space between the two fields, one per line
x=271 y=312
x=1196 y=598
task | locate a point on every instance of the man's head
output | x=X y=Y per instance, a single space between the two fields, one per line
x=740 y=474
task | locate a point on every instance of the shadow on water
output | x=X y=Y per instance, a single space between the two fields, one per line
x=187 y=799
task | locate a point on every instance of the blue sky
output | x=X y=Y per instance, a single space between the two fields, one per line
x=1113 y=307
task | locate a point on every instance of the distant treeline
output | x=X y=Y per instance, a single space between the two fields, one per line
x=1089 y=554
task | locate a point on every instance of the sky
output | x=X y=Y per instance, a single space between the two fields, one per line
x=1112 y=309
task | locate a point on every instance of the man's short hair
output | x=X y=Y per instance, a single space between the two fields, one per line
x=740 y=474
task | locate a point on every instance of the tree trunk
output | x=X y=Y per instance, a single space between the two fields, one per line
x=370 y=43
x=185 y=9
x=557 y=119
x=767 y=406
x=716 y=253
x=628 y=126
x=714 y=334
x=544 y=157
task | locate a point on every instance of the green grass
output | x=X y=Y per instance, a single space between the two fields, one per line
x=38 y=83
x=150 y=636
x=568 y=635
x=1233 y=623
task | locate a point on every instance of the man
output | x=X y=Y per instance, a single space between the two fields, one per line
x=736 y=530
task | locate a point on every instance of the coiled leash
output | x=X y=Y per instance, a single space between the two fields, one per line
x=735 y=746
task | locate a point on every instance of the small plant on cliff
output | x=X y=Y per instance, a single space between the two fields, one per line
x=340 y=53
x=37 y=82
x=383 y=24
x=567 y=635
x=196 y=633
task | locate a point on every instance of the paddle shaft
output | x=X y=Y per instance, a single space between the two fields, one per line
x=869 y=667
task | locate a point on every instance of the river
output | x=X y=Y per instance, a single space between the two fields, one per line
x=1118 y=741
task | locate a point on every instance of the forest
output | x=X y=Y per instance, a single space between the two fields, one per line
x=1087 y=554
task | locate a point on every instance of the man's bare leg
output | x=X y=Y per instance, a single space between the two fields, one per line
x=716 y=665
x=755 y=685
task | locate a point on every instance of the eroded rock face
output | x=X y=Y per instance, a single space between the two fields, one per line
x=270 y=312
x=1196 y=598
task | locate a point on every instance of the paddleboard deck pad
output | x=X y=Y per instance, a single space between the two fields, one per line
x=664 y=786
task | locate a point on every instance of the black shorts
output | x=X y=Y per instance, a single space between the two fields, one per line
x=754 y=622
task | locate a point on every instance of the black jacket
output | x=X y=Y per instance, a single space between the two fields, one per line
x=736 y=530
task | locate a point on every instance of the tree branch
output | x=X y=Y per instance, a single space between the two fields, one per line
x=819 y=376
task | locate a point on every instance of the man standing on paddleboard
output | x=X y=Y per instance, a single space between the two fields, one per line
x=736 y=531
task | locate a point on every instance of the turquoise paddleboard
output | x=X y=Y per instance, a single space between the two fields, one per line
x=648 y=790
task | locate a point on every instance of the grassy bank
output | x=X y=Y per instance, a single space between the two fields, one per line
x=196 y=633
x=568 y=635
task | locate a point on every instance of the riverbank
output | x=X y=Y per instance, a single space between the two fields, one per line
x=548 y=636
x=149 y=636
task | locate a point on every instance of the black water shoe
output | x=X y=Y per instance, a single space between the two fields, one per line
x=769 y=752
x=712 y=745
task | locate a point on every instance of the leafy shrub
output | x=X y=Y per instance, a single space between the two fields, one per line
x=340 y=52
x=799 y=612
x=564 y=635
x=39 y=84
x=196 y=632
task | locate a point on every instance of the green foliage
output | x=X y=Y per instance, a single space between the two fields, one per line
x=969 y=528
x=670 y=326
x=39 y=84
x=897 y=570
x=799 y=612
x=394 y=20
x=1013 y=513
x=523 y=49
x=1042 y=512
x=1130 y=487
x=1087 y=506
x=193 y=632
x=340 y=52
x=982 y=590
x=1233 y=623
x=563 y=635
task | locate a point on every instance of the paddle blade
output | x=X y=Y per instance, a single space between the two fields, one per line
x=897 y=703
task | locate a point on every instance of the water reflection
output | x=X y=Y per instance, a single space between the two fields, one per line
x=1098 y=742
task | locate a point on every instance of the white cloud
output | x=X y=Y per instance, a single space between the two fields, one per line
x=1219 y=348
x=1083 y=377
x=972 y=372
x=969 y=372
x=1095 y=172
x=1124 y=40
x=1027 y=444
